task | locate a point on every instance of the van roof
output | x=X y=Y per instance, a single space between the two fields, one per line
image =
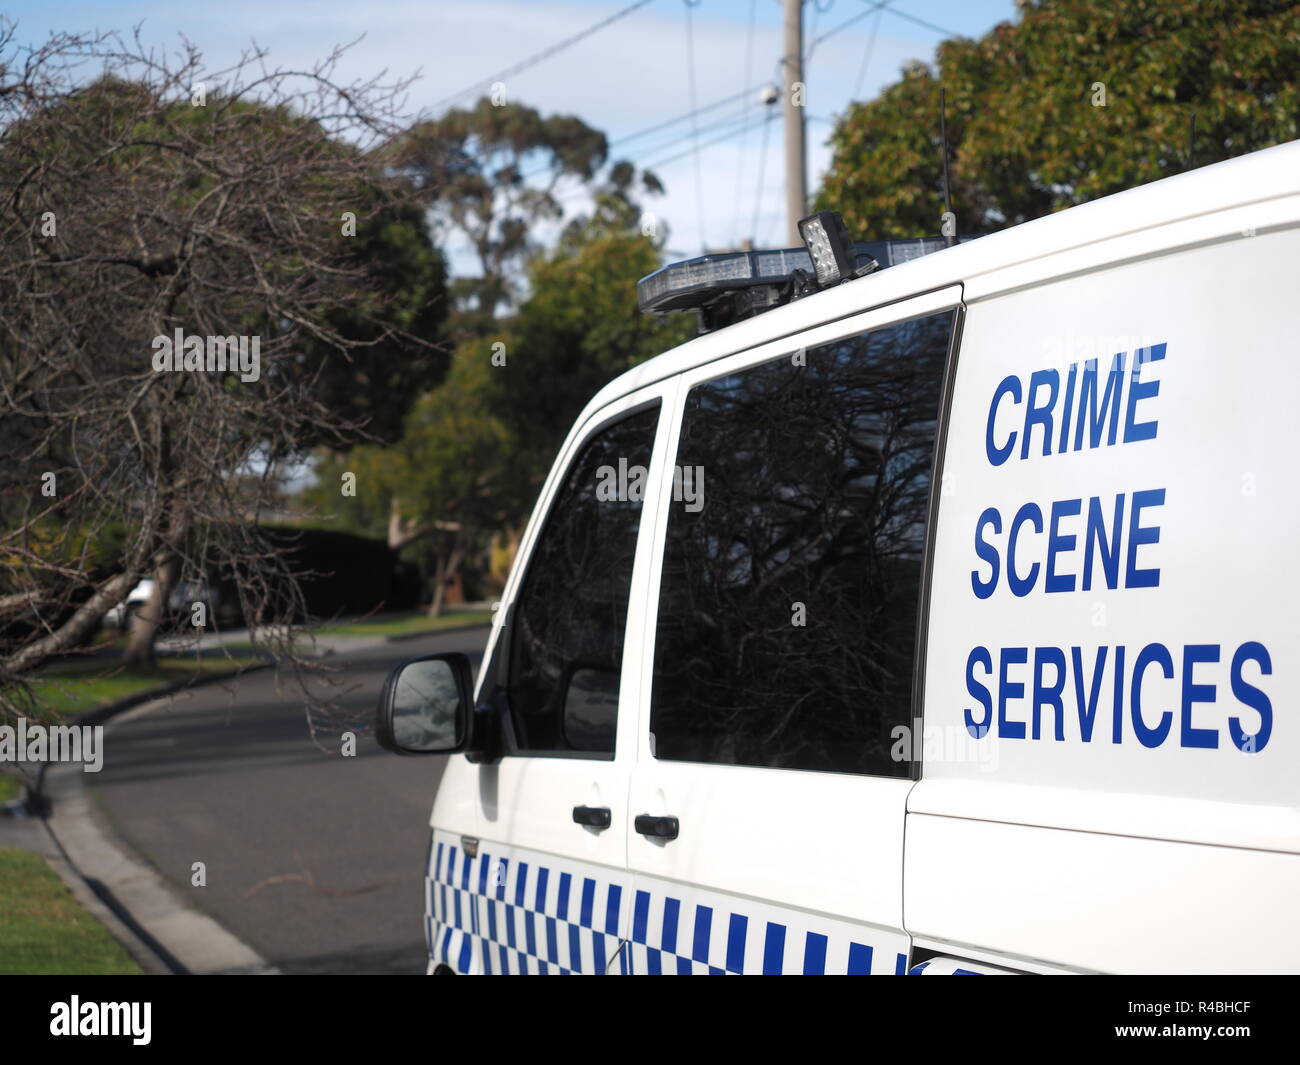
x=1268 y=174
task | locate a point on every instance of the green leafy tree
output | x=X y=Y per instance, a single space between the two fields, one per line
x=443 y=487
x=492 y=173
x=392 y=328
x=474 y=450
x=1076 y=100
x=579 y=329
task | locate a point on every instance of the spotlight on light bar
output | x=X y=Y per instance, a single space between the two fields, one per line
x=827 y=239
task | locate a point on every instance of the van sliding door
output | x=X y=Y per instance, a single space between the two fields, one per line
x=775 y=756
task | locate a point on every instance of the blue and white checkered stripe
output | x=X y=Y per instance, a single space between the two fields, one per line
x=489 y=914
x=538 y=914
x=691 y=931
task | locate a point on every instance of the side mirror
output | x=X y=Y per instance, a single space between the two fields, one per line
x=425 y=706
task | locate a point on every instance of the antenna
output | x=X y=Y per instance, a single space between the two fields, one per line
x=949 y=238
x=1191 y=140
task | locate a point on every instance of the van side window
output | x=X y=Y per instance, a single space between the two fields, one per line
x=787 y=623
x=567 y=643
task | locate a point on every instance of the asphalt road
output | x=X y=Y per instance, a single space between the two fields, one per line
x=313 y=859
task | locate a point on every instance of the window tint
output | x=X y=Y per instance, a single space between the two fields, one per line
x=788 y=608
x=567 y=644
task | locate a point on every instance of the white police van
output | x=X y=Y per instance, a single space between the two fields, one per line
x=942 y=621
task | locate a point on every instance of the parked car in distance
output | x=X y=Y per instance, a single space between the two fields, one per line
x=180 y=605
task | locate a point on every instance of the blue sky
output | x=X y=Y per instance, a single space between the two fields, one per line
x=623 y=79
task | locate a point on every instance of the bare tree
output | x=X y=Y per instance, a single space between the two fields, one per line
x=159 y=221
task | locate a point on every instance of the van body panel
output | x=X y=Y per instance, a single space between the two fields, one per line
x=1088 y=809
x=455 y=809
x=1116 y=791
x=1094 y=902
x=1148 y=583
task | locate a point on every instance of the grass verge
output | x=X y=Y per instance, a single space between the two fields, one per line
x=75 y=687
x=10 y=786
x=44 y=930
x=404 y=624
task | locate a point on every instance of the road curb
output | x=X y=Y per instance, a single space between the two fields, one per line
x=131 y=899
x=404 y=636
x=101 y=714
x=135 y=945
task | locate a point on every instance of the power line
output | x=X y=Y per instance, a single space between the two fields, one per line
x=729 y=121
x=731 y=127
x=664 y=125
x=817 y=10
x=695 y=126
x=738 y=126
x=735 y=125
x=866 y=56
x=740 y=148
x=921 y=22
x=538 y=57
x=762 y=166
x=844 y=26
x=732 y=124
x=683 y=117
x=881 y=5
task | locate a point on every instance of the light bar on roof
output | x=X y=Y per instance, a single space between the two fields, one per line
x=680 y=286
x=696 y=284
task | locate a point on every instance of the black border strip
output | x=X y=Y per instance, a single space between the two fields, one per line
x=932 y=525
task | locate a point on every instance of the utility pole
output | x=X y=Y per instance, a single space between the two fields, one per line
x=796 y=170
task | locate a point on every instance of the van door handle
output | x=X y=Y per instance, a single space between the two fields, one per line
x=593 y=816
x=658 y=827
